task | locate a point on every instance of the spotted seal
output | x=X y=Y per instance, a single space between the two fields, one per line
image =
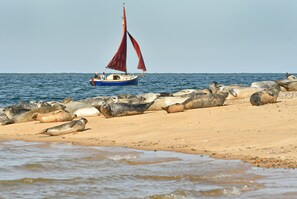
x=70 y=127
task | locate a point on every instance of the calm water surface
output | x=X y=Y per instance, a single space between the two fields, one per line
x=47 y=170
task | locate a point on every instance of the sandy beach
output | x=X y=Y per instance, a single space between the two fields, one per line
x=264 y=136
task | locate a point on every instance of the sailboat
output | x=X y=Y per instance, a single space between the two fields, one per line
x=118 y=62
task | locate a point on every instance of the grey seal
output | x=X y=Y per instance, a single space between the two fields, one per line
x=127 y=98
x=54 y=116
x=235 y=91
x=70 y=127
x=165 y=101
x=5 y=120
x=289 y=85
x=203 y=101
x=123 y=109
x=174 y=108
x=264 y=84
x=290 y=76
x=265 y=96
x=17 y=115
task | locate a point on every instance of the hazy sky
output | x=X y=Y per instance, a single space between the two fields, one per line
x=191 y=36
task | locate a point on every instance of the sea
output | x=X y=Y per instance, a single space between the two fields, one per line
x=62 y=170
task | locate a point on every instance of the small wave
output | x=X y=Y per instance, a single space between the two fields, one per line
x=154 y=161
x=71 y=181
x=122 y=157
x=32 y=167
x=178 y=194
x=230 y=191
x=27 y=181
x=158 y=178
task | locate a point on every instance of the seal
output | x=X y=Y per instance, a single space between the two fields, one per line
x=86 y=112
x=165 y=101
x=264 y=84
x=55 y=116
x=265 y=96
x=183 y=92
x=25 y=115
x=95 y=101
x=290 y=77
x=5 y=120
x=149 y=97
x=174 y=108
x=203 y=101
x=12 y=111
x=72 y=106
x=289 y=85
x=70 y=127
x=215 y=87
x=123 y=109
x=191 y=93
x=126 y=98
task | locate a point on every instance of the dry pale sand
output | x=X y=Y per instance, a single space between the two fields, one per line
x=265 y=136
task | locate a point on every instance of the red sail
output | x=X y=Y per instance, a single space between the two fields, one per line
x=118 y=61
x=141 y=64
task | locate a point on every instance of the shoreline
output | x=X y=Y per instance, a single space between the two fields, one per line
x=264 y=136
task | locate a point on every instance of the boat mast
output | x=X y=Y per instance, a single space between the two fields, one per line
x=118 y=61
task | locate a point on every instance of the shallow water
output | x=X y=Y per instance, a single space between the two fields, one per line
x=46 y=170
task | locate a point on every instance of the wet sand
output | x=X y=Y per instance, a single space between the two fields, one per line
x=265 y=136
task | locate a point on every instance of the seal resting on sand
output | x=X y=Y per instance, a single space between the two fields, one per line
x=123 y=109
x=4 y=120
x=289 y=85
x=211 y=100
x=264 y=84
x=25 y=115
x=70 y=127
x=265 y=96
x=86 y=112
x=235 y=91
x=55 y=116
x=165 y=101
x=174 y=108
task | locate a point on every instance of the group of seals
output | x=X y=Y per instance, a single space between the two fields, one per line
x=17 y=114
x=259 y=93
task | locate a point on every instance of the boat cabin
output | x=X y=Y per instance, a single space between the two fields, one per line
x=119 y=77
